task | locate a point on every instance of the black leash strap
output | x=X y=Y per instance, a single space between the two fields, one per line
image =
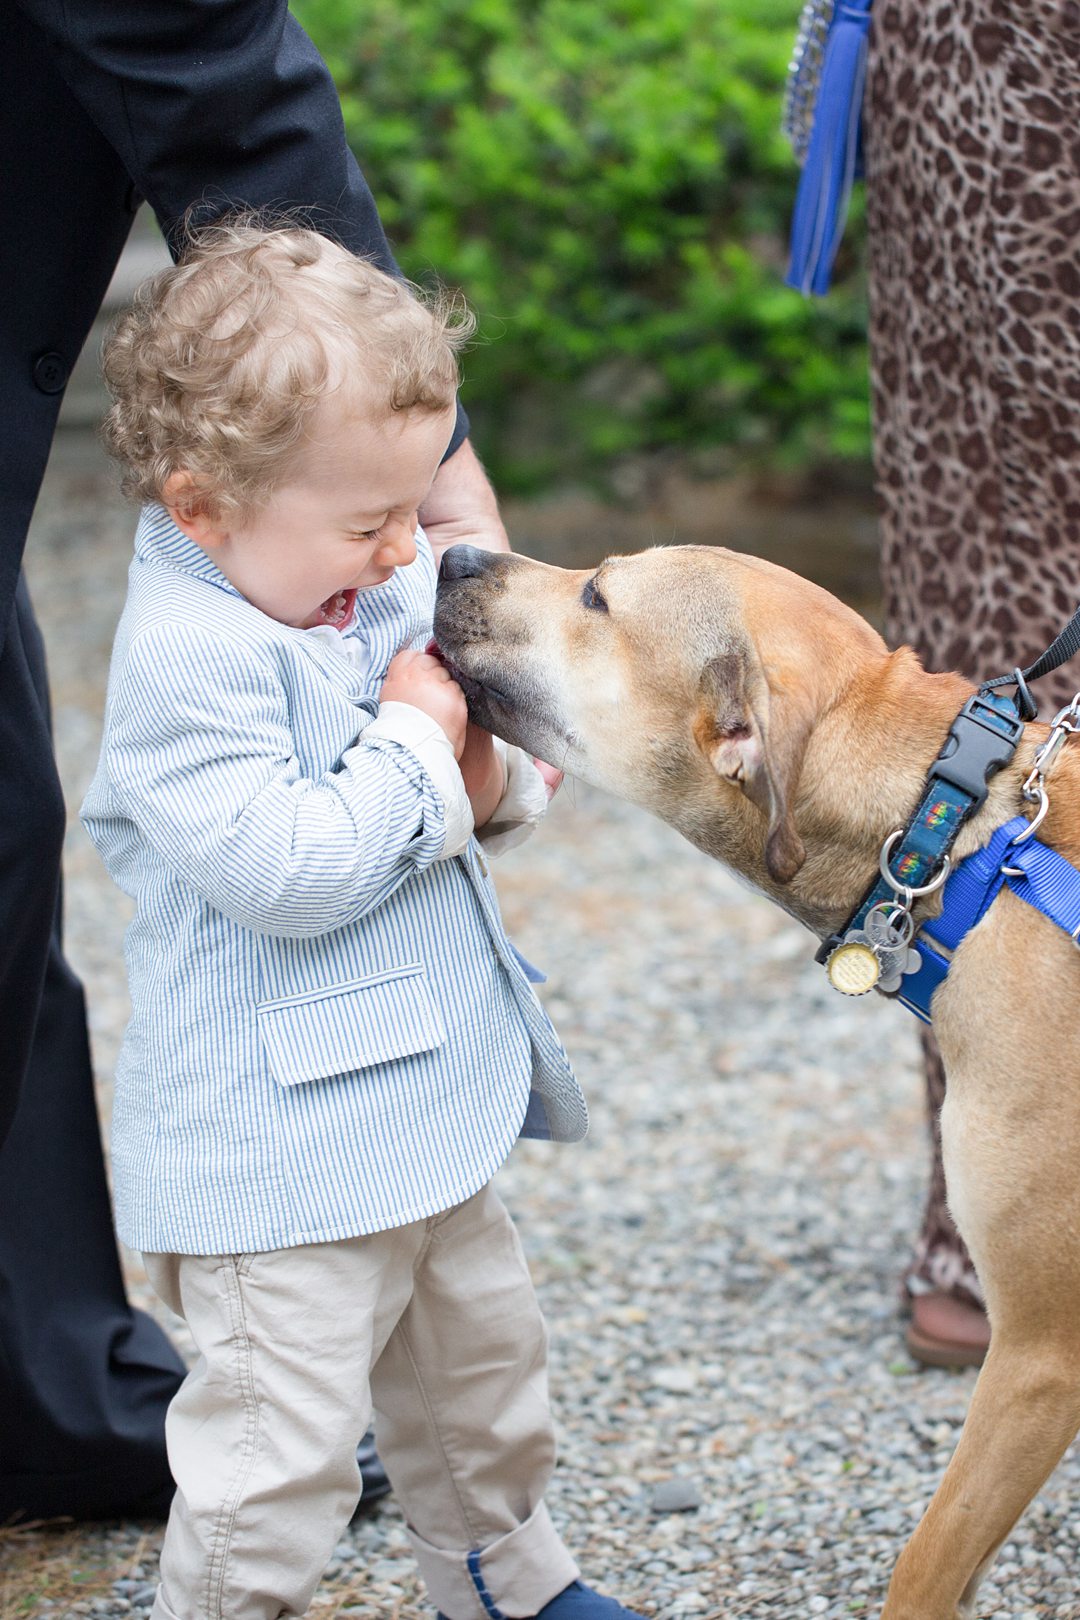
x=1060 y=650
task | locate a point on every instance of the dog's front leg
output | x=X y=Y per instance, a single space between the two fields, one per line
x=1011 y=1140
x=1023 y=1415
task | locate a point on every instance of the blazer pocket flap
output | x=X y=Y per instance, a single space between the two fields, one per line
x=350 y=1026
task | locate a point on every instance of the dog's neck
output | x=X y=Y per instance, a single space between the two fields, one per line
x=865 y=772
x=865 y=769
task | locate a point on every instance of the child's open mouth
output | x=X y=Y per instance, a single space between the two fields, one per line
x=337 y=610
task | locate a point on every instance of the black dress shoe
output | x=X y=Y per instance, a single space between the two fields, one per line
x=373 y=1476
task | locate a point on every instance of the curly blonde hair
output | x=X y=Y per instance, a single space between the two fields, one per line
x=220 y=363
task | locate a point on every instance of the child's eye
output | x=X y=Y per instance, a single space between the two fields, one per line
x=367 y=534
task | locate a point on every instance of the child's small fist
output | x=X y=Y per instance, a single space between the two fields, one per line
x=426 y=683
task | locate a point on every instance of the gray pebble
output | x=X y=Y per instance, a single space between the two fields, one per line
x=676 y=1496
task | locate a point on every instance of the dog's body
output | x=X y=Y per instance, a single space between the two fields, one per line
x=771 y=726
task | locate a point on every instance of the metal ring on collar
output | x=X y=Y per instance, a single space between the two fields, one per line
x=1037 y=819
x=904 y=889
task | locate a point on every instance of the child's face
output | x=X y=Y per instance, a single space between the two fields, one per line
x=344 y=523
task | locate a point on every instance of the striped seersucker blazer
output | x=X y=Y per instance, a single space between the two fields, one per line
x=330 y=1032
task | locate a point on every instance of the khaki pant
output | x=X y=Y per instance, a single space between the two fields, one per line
x=437 y=1327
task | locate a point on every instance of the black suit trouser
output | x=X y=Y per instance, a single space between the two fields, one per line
x=84 y=1380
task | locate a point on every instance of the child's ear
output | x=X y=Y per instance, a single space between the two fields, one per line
x=187 y=505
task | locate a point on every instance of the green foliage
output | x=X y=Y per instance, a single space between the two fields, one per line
x=606 y=181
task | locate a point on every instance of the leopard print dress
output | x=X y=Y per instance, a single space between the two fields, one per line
x=972 y=132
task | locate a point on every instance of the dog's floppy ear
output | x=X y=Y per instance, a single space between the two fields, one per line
x=756 y=738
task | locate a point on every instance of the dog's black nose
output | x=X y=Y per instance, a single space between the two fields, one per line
x=465 y=562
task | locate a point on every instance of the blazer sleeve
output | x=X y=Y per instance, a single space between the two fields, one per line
x=217 y=105
x=200 y=756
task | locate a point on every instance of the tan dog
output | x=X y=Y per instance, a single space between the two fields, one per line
x=770 y=725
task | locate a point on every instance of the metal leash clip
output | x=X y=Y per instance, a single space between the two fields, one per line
x=1064 y=724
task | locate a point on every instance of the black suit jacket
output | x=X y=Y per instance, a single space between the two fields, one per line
x=199 y=106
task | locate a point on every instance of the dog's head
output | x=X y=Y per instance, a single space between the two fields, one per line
x=688 y=679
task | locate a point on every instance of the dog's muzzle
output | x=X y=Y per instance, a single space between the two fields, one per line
x=465 y=562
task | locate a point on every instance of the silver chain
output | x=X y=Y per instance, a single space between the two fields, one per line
x=804 y=74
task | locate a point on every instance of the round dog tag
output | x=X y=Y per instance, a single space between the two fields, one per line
x=888 y=925
x=853 y=968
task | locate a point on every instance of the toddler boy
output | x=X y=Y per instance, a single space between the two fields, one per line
x=332 y=1046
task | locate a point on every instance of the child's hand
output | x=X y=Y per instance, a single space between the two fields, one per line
x=553 y=777
x=423 y=681
x=483 y=772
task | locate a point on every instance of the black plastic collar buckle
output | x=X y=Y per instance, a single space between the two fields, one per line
x=981 y=740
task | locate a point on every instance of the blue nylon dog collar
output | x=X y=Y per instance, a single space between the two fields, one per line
x=981 y=740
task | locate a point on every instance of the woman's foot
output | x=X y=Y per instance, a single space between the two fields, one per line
x=947 y=1332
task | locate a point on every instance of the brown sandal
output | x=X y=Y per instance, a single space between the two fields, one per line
x=947 y=1332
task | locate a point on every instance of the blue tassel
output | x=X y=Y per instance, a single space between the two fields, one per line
x=834 y=155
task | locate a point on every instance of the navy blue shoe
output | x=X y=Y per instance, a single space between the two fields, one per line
x=579 y=1602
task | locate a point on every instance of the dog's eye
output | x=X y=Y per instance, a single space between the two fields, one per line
x=591 y=598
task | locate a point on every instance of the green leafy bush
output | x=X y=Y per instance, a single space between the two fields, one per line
x=606 y=181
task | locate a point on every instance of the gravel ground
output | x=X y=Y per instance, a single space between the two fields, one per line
x=741 y=1431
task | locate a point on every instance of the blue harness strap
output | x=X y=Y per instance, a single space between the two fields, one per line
x=1050 y=883
x=1033 y=871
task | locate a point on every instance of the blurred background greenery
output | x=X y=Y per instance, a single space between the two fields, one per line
x=607 y=183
